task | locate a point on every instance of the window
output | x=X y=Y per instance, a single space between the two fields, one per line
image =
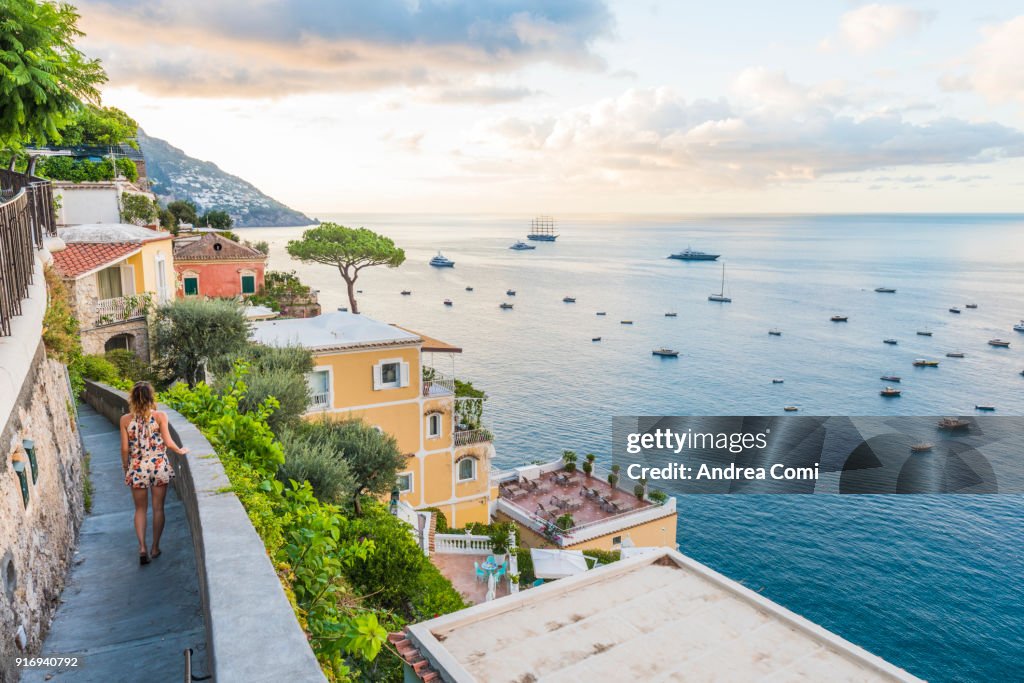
x=390 y=374
x=616 y=540
x=191 y=284
x=109 y=282
x=248 y=284
x=161 y=278
x=404 y=482
x=319 y=389
x=434 y=425
x=467 y=469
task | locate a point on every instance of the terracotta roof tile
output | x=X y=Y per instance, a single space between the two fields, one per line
x=78 y=259
x=213 y=247
x=420 y=667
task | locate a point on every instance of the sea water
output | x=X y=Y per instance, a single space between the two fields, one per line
x=931 y=583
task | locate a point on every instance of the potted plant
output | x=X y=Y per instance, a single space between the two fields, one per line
x=613 y=478
x=640 y=490
x=565 y=522
x=569 y=461
x=588 y=464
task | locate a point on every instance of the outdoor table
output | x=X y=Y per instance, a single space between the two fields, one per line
x=489 y=567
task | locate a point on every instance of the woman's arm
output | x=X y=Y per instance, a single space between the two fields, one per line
x=165 y=434
x=124 y=442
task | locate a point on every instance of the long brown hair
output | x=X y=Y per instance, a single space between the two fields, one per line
x=142 y=400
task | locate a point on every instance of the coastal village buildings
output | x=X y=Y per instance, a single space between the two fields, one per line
x=209 y=265
x=376 y=372
x=114 y=273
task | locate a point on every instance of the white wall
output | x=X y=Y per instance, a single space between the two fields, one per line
x=87 y=203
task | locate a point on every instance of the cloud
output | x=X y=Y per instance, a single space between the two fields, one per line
x=480 y=94
x=407 y=142
x=995 y=68
x=772 y=131
x=241 y=48
x=873 y=26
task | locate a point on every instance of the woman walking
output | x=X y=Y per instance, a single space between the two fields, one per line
x=144 y=444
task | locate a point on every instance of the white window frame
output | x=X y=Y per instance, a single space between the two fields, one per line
x=402 y=376
x=244 y=273
x=431 y=434
x=160 y=266
x=458 y=469
x=412 y=481
x=330 y=385
x=189 y=275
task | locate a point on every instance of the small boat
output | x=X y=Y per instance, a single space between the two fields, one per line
x=359 y=291
x=625 y=322
x=954 y=309
x=987 y=409
x=510 y=292
x=447 y=302
x=890 y=340
x=665 y=353
x=694 y=255
x=1001 y=343
x=593 y=339
x=952 y=423
x=1019 y=327
x=775 y=332
x=506 y=306
x=469 y=289
x=791 y=409
x=1022 y=373
x=839 y=318
x=670 y=315
x=925 y=363
x=522 y=246
x=406 y=292
x=721 y=297
x=924 y=333
x=970 y=305
x=922 y=447
x=890 y=378
x=777 y=380
x=890 y=392
x=955 y=354
x=542 y=229
x=568 y=299
x=441 y=261
x=601 y=313
x=885 y=290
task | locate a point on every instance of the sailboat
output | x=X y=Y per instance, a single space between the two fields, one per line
x=721 y=297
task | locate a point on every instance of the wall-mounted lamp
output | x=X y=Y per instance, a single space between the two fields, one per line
x=18 y=462
x=30 y=447
x=395 y=493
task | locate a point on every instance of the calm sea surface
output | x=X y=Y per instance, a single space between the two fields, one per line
x=934 y=584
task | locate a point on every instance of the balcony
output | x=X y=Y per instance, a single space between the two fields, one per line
x=471 y=436
x=320 y=400
x=436 y=383
x=120 y=309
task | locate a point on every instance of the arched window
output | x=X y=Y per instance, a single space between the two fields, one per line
x=119 y=342
x=434 y=421
x=466 y=469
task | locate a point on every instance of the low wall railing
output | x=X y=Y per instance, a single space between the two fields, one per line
x=462 y=544
x=251 y=631
x=26 y=215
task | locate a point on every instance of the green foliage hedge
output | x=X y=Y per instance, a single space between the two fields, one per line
x=80 y=170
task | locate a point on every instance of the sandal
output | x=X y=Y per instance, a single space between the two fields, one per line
x=143 y=558
x=155 y=554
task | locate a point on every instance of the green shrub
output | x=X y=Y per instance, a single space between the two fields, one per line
x=60 y=328
x=603 y=556
x=130 y=367
x=325 y=470
x=99 y=369
x=658 y=497
x=441 y=525
x=192 y=332
x=525 y=562
x=290 y=389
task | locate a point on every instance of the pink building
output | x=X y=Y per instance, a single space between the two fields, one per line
x=214 y=266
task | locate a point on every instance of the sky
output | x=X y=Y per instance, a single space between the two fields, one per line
x=574 y=106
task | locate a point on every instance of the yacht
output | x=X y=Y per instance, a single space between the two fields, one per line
x=601 y=313
x=885 y=290
x=542 y=229
x=510 y=292
x=775 y=332
x=670 y=314
x=970 y=305
x=954 y=309
x=890 y=392
x=985 y=408
x=890 y=378
x=777 y=380
x=521 y=246
x=839 y=318
x=925 y=363
x=665 y=353
x=447 y=302
x=890 y=340
x=952 y=423
x=506 y=306
x=924 y=333
x=721 y=297
x=1019 y=327
x=791 y=409
x=625 y=322
x=693 y=255
x=441 y=261
x=593 y=339
x=568 y=299
x=922 y=447
x=955 y=354
x=406 y=292
x=1001 y=343
x=469 y=289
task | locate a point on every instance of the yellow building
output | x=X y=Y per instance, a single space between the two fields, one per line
x=115 y=273
x=376 y=372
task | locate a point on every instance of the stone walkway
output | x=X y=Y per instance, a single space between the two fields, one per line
x=126 y=622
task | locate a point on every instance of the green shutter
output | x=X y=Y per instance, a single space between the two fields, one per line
x=191 y=286
x=248 y=284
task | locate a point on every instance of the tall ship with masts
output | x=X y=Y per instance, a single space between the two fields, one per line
x=542 y=229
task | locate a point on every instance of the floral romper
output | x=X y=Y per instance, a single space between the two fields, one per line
x=148 y=464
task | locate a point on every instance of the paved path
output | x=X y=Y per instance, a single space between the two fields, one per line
x=127 y=622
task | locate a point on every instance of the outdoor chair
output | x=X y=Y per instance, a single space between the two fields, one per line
x=481 y=575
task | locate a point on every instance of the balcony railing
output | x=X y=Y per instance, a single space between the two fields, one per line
x=320 y=400
x=471 y=436
x=119 y=309
x=436 y=383
x=26 y=215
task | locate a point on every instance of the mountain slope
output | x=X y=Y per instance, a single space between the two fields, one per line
x=175 y=175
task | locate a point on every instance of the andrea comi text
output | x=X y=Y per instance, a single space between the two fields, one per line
x=731 y=472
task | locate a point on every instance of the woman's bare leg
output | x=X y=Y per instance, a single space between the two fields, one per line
x=159 y=493
x=139 y=497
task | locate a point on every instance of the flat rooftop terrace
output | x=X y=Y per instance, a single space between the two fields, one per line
x=553 y=494
x=660 y=617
